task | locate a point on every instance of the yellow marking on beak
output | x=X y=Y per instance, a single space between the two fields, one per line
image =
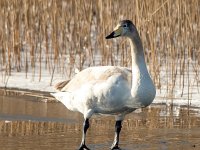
x=117 y=31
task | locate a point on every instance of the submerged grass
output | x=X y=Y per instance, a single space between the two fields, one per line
x=61 y=35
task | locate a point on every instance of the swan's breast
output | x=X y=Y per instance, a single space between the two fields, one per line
x=143 y=90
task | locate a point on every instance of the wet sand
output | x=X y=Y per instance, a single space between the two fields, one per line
x=28 y=124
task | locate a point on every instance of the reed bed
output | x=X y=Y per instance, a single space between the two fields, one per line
x=61 y=35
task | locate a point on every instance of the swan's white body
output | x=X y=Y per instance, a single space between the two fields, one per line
x=107 y=90
x=111 y=90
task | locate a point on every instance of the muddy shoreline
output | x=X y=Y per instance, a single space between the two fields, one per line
x=31 y=120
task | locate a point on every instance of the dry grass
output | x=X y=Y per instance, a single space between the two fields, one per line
x=68 y=34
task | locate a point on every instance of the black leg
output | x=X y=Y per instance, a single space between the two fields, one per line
x=85 y=127
x=118 y=127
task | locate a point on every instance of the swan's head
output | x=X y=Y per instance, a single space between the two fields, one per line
x=124 y=28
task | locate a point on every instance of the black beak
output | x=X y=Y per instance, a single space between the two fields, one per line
x=110 y=36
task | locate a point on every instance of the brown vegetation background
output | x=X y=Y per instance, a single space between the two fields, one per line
x=61 y=35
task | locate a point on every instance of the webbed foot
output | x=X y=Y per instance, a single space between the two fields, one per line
x=83 y=147
x=115 y=147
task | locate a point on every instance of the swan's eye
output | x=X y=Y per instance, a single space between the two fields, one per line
x=125 y=25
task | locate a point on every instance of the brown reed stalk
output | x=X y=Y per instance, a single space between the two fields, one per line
x=60 y=30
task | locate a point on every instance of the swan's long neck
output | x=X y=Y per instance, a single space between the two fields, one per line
x=139 y=68
x=142 y=90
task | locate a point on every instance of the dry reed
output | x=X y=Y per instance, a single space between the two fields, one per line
x=66 y=34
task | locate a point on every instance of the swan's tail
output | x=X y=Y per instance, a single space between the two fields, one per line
x=63 y=97
x=66 y=98
x=56 y=95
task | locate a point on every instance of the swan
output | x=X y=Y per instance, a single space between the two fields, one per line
x=110 y=90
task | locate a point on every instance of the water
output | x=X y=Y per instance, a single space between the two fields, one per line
x=27 y=124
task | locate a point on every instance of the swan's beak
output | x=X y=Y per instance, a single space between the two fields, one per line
x=117 y=32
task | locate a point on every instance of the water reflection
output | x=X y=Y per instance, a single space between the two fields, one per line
x=28 y=124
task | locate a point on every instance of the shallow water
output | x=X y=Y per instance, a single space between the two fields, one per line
x=27 y=124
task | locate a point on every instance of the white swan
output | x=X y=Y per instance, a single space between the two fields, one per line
x=110 y=90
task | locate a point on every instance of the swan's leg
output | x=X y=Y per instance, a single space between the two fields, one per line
x=85 y=127
x=118 y=127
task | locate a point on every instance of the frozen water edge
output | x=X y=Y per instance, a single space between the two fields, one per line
x=18 y=80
